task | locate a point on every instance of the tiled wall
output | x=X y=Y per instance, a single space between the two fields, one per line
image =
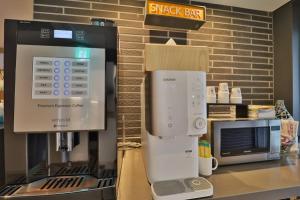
x=240 y=43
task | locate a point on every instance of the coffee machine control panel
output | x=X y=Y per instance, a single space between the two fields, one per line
x=196 y=87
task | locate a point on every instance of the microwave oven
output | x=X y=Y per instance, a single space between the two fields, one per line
x=243 y=141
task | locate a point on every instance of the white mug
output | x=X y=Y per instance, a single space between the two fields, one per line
x=206 y=166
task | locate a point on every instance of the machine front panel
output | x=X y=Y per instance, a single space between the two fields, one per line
x=64 y=85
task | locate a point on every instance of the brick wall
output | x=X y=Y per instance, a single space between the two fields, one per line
x=240 y=43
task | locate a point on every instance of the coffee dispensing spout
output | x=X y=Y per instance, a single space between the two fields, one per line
x=65 y=142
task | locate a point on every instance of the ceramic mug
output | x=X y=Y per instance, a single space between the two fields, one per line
x=206 y=166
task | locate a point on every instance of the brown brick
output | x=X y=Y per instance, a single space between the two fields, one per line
x=262 y=78
x=262 y=30
x=130 y=66
x=262 y=54
x=129 y=9
x=92 y=13
x=128 y=52
x=232 y=64
x=250 y=59
x=131 y=74
x=129 y=96
x=130 y=81
x=220 y=70
x=231 y=77
x=214 y=31
x=209 y=76
x=133 y=31
x=130 y=102
x=210 y=44
x=263 y=102
x=231 y=27
x=250 y=11
x=262 y=19
x=262 y=66
x=218 y=19
x=130 y=23
x=262 y=90
x=250 y=71
x=64 y=3
x=231 y=39
x=231 y=52
x=130 y=131
x=130 y=16
x=231 y=14
x=130 y=124
x=262 y=42
x=245 y=90
x=131 y=45
x=250 y=84
x=198 y=36
x=63 y=18
x=220 y=57
x=158 y=33
x=250 y=47
x=128 y=109
x=133 y=3
x=48 y=9
x=130 y=59
x=104 y=1
x=250 y=35
x=131 y=38
x=129 y=89
x=255 y=96
x=249 y=23
x=129 y=116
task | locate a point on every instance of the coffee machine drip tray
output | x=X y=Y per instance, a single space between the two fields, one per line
x=58 y=185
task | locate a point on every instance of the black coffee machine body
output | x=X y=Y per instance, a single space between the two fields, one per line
x=60 y=111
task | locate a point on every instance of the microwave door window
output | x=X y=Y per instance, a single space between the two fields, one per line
x=241 y=141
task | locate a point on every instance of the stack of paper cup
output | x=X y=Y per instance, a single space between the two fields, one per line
x=223 y=93
x=211 y=96
x=236 y=96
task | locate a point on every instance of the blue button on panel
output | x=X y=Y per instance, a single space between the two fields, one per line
x=66 y=85
x=67 y=63
x=56 y=63
x=67 y=78
x=56 y=70
x=56 y=85
x=56 y=78
x=67 y=70
x=56 y=92
x=66 y=92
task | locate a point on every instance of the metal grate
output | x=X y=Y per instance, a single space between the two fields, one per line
x=62 y=182
x=9 y=190
x=108 y=182
x=108 y=173
x=74 y=170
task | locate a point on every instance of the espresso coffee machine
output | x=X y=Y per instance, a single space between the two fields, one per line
x=60 y=111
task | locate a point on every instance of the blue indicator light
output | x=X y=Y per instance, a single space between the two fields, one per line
x=56 y=77
x=67 y=78
x=67 y=63
x=56 y=63
x=66 y=92
x=56 y=70
x=67 y=70
x=56 y=92
x=56 y=85
x=67 y=85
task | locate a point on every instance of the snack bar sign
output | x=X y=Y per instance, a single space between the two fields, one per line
x=176 y=10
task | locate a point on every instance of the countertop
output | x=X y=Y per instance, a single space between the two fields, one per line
x=267 y=180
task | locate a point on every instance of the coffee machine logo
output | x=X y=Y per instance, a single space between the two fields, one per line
x=169 y=79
